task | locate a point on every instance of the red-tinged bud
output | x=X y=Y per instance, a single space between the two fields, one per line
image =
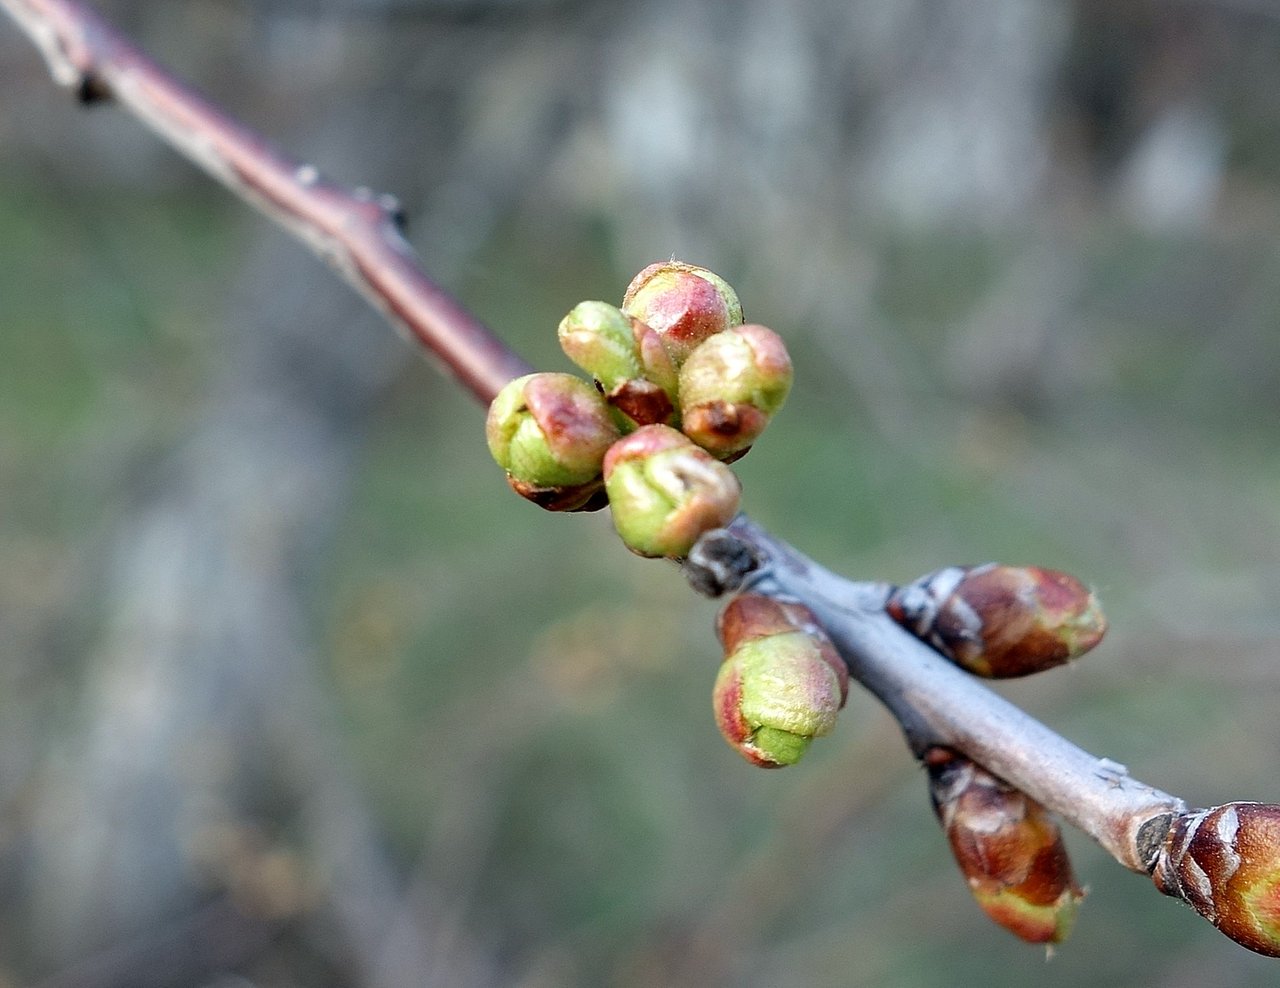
x=664 y=491
x=751 y=615
x=1225 y=863
x=1001 y=621
x=781 y=683
x=731 y=386
x=627 y=358
x=1009 y=849
x=683 y=302
x=550 y=432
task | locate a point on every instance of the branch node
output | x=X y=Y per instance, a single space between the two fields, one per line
x=719 y=563
x=90 y=89
x=1150 y=839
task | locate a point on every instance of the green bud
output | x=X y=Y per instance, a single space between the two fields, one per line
x=731 y=386
x=549 y=432
x=754 y=615
x=684 y=303
x=664 y=491
x=775 y=692
x=627 y=359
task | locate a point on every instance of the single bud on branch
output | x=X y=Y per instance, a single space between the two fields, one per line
x=664 y=491
x=684 y=303
x=550 y=432
x=1001 y=621
x=627 y=358
x=1008 y=847
x=730 y=387
x=1225 y=863
x=781 y=684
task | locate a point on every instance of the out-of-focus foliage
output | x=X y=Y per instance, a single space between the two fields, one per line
x=293 y=688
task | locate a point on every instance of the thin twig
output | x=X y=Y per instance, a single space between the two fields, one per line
x=355 y=231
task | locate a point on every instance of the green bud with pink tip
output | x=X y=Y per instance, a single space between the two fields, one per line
x=683 y=303
x=627 y=358
x=781 y=683
x=664 y=491
x=731 y=386
x=550 y=432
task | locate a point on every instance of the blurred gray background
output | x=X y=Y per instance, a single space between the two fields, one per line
x=294 y=692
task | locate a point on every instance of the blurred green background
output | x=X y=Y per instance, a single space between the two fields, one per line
x=294 y=692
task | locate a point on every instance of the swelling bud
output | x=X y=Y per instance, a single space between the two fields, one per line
x=1001 y=621
x=627 y=358
x=664 y=491
x=550 y=433
x=683 y=303
x=781 y=683
x=1224 y=862
x=1009 y=849
x=731 y=386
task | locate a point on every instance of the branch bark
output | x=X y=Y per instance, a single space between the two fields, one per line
x=357 y=232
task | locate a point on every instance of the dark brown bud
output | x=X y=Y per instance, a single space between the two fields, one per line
x=1009 y=849
x=1225 y=863
x=1001 y=621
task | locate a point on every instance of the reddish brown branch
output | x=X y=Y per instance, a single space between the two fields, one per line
x=354 y=230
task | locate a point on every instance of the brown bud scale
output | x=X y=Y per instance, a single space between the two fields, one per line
x=1225 y=863
x=1008 y=847
x=1001 y=621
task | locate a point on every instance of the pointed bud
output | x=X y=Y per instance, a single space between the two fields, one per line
x=1001 y=621
x=781 y=683
x=731 y=386
x=627 y=359
x=1008 y=848
x=664 y=491
x=550 y=433
x=684 y=303
x=1225 y=863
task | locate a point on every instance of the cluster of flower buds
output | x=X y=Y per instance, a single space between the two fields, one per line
x=1000 y=621
x=1225 y=863
x=1008 y=848
x=781 y=684
x=675 y=358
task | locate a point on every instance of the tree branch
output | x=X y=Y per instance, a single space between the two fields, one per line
x=357 y=232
